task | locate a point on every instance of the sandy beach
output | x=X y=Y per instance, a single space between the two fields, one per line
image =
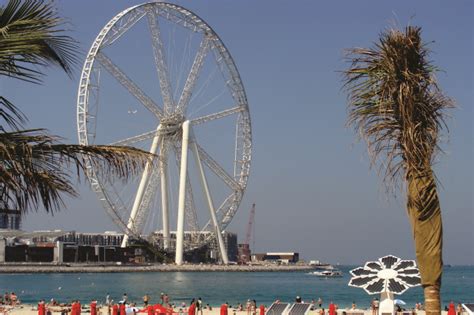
x=32 y=310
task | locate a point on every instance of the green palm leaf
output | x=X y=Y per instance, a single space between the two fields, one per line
x=30 y=36
x=34 y=167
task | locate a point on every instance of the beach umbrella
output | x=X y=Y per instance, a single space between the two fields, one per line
x=399 y=302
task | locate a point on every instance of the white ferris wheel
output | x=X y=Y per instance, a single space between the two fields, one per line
x=157 y=77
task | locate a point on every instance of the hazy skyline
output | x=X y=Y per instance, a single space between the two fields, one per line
x=310 y=178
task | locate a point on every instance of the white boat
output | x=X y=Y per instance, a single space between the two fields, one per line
x=334 y=273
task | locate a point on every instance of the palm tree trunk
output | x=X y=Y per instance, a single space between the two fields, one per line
x=425 y=216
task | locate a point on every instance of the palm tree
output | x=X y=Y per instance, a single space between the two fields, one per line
x=396 y=106
x=34 y=166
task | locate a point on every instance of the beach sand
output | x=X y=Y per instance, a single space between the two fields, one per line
x=31 y=310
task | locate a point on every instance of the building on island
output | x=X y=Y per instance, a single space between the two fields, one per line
x=70 y=246
x=278 y=258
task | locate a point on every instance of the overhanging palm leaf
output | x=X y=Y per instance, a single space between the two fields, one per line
x=33 y=167
x=396 y=105
x=29 y=36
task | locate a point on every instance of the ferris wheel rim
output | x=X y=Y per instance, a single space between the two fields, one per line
x=82 y=109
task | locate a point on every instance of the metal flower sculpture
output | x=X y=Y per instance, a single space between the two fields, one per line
x=387 y=274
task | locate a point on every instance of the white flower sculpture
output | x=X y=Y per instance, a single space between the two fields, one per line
x=387 y=274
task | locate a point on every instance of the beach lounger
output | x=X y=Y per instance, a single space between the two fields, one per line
x=469 y=307
x=300 y=309
x=278 y=309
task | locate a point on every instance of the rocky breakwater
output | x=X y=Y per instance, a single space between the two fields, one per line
x=78 y=268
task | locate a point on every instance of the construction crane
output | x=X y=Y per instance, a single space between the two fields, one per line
x=244 y=248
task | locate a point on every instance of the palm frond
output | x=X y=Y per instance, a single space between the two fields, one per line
x=34 y=167
x=29 y=37
x=395 y=103
x=12 y=116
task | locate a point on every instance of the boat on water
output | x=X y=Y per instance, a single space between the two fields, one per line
x=334 y=273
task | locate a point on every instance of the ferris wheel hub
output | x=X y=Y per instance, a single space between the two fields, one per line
x=171 y=124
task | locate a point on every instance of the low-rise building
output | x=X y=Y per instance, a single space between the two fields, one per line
x=277 y=257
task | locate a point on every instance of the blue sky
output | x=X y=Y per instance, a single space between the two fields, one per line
x=310 y=178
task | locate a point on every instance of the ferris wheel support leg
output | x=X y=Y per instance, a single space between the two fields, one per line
x=182 y=194
x=164 y=196
x=210 y=203
x=142 y=186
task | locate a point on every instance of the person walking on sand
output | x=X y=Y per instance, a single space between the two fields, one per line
x=224 y=309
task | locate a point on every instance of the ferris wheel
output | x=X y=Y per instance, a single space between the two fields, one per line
x=157 y=77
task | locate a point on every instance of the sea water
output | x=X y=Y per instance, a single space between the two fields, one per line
x=216 y=288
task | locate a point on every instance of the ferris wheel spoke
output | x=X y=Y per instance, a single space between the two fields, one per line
x=161 y=67
x=126 y=82
x=217 y=169
x=193 y=75
x=223 y=205
x=148 y=196
x=142 y=137
x=219 y=115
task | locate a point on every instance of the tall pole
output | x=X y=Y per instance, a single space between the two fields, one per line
x=142 y=186
x=164 y=194
x=210 y=203
x=182 y=194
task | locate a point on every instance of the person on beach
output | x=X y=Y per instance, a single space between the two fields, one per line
x=224 y=309
x=262 y=309
x=298 y=299
x=451 y=310
x=322 y=312
x=375 y=306
x=93 y=306
x=248 y=306
x=124 y=298
x=13 y=299
x=78 y=307
x=115 y=309
x=192 y=308
x=146 y=298
x=41 y=308
x=199 y=305
x=332 y=308
x=459 y=309
x=122 y=308
x=320 y=302
x=107 y=299
x=353 y=307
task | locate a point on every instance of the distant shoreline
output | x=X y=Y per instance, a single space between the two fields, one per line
x=96 y=268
